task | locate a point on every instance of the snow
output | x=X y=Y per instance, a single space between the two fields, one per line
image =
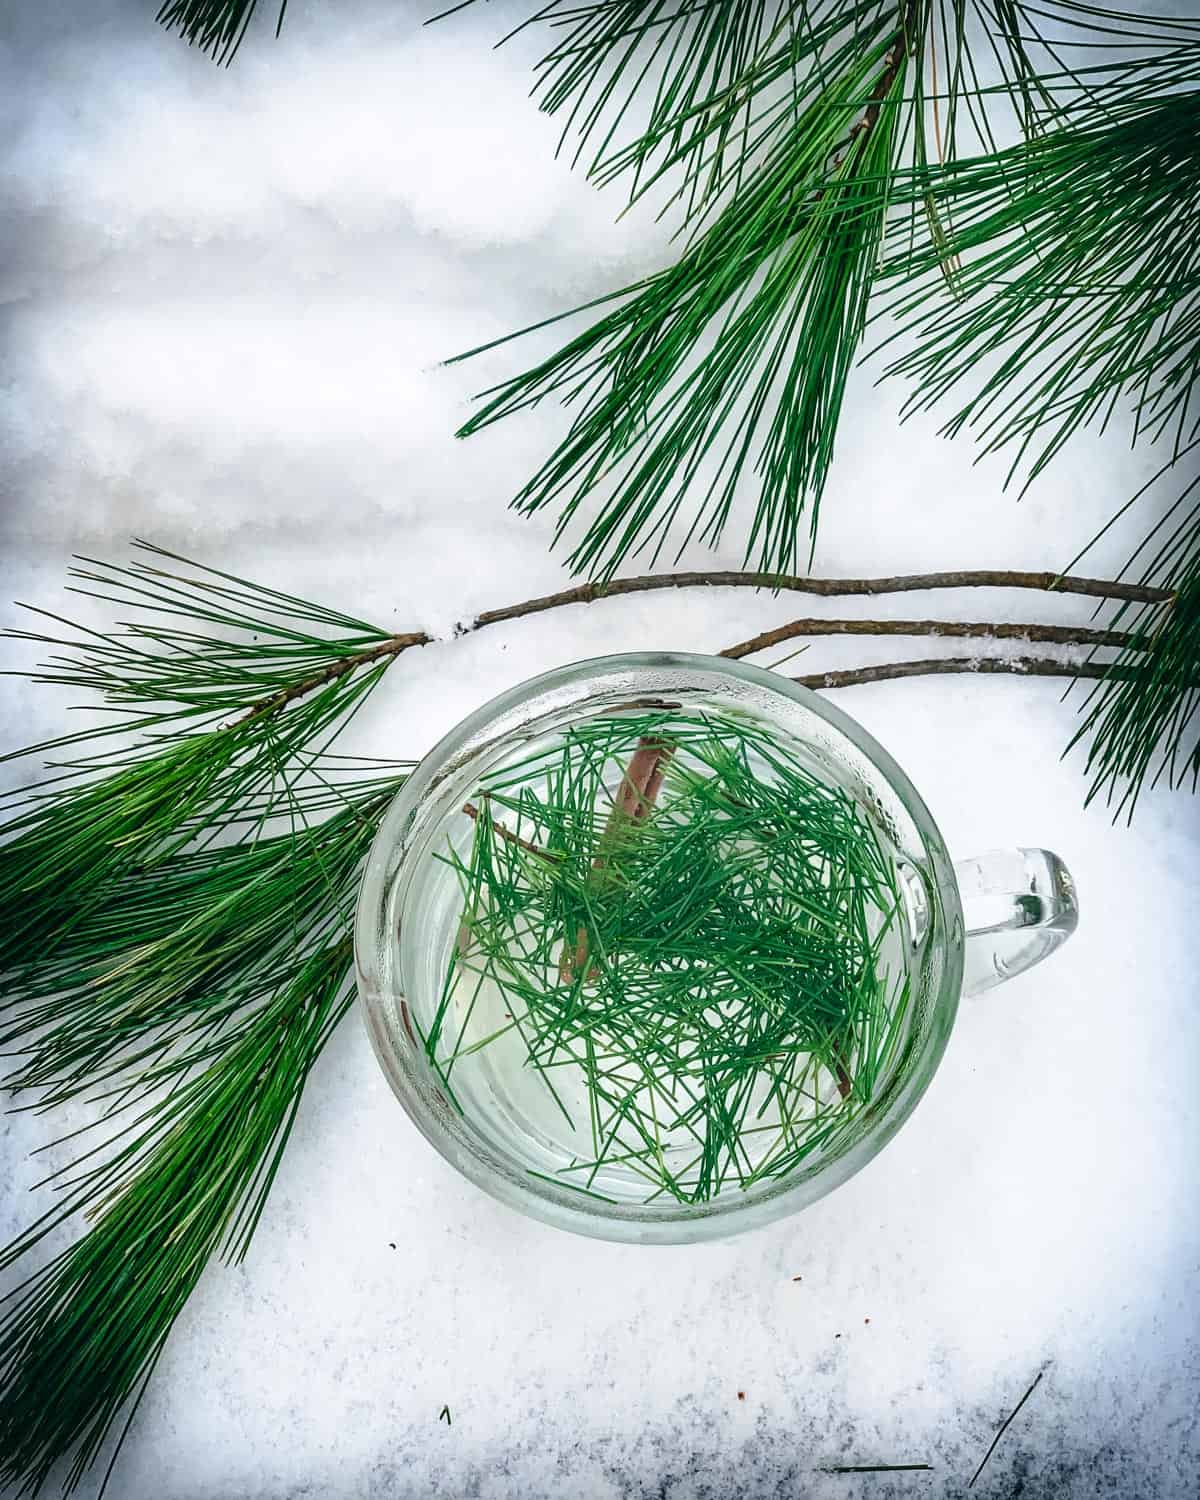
x=225 y=296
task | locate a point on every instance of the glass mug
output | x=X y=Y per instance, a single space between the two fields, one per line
x=970 y=925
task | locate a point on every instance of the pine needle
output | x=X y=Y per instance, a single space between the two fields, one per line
x=726 y=1012
x=785 y=137
x=1078 y=286
x=214 y=26
x=180 y=897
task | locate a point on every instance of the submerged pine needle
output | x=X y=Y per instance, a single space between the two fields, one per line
x=734 y=1013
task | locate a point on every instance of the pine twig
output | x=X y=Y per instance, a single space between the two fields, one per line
x=640 y=785
x=509 y=836
x=384 y=651
x=390 y=647
x=1061 y=635
x=1020 y=666
x=829 y=588
x=892 y=64
x=875 y=1468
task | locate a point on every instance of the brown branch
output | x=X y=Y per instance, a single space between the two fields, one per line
x=828 y=588
x=874 y=1468
x=891 y=71
x=393 y=646
x=640 y=785
x=1062 y=635
x=860 y=132
x=639 y=788
x=509 y=836
x=1022 y=666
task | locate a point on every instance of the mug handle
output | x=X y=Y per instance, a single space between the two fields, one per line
x=1019 y=906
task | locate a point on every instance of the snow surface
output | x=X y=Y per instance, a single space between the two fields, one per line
x=224 y=295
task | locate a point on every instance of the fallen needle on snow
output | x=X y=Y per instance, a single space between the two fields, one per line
x=1007 y=1422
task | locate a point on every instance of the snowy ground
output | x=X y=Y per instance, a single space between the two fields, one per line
x=223 y=297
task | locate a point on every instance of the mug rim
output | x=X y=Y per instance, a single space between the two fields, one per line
x=558 y=1206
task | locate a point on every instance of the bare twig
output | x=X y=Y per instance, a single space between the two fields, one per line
x=509 y=836
x=1063 y=635
x=1023 y=666
x=829 y=588
x=863 y=127
x=639 y=788
x=1007 y=1423
x=590 y=593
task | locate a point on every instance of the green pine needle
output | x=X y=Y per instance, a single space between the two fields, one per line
x=215 y=26
x=180 y=896
x=787 y=137
x=1140 y=718
x=710 y=977
x=1078 y=282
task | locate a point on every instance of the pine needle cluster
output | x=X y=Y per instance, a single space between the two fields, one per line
x=706 y=971
x=176 y=949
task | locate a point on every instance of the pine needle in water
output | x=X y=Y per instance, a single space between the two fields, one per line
x=734 y=1013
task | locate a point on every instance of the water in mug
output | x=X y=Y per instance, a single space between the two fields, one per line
x=670 y=955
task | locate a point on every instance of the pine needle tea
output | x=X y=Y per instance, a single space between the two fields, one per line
x=675 y=957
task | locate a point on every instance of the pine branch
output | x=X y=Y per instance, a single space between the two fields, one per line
x=688 y=92
x=787 y=136
x=1062 y=635
x=1139 y=720
x=741 y=351
x=80 y=1341
x=188 y=1004
x=1078 y=281
x=1020 y=666
x=180 y=901
x=830 y=588
x=229 y=692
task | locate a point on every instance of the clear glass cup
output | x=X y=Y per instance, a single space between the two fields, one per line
x=970 y=925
